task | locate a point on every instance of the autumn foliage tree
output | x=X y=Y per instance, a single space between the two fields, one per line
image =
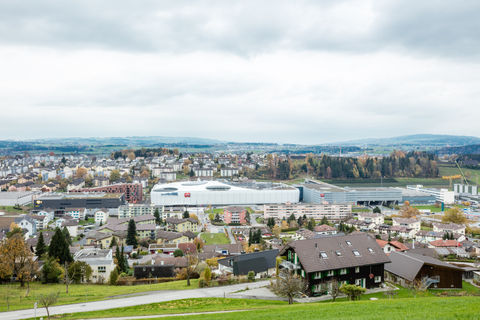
x=454 y=215
x=16 y=259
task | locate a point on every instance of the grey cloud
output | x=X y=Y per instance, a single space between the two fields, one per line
x=246 y=27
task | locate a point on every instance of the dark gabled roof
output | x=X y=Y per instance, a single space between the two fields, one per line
x=257 y=261
x=308 y=252
x=407 y=264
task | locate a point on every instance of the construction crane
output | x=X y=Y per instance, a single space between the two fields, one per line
x=461 y=171
x=450 y=178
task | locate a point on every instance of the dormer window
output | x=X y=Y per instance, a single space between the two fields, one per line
x=348 y=242
x=323 y=255
x=338 y=253
x=356 y=253
x=371 y=250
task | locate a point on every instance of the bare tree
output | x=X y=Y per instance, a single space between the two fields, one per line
x=289 y=285
x=192 y=264
x=334 y=289
x=48 y=300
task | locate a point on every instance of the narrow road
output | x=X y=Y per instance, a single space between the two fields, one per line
x=148 y=297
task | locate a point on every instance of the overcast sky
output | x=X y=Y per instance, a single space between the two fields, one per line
x=275 y=71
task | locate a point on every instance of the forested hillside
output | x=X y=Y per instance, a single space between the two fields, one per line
x=397 y=164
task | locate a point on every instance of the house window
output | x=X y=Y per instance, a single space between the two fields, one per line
x=357 y=269
x=371 y=250
x=356 y=253
x=330 y=273
x=323 y=255
x=358 y=282
x=343 y=271
x=378 y=279
x=102 y=269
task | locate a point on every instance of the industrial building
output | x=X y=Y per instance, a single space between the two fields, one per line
x=334 y=212
x=321 y=192
x=465 y=189
x=61 y=201
x=13 y=198
x=133 y=191
x=204 y=193
x=417 y=197
x=441 y=195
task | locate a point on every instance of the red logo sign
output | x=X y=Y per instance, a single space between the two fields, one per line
x=187 y=194
x=371 y=275
x=322 y=195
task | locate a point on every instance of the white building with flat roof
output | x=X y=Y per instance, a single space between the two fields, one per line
x=204 y=193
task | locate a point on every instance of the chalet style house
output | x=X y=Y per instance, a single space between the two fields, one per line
x=351 y=259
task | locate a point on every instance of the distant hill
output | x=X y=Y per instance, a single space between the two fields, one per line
x=432 y=140
x=130 y=141
x=462 y=150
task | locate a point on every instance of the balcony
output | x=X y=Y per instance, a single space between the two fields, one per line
x=289 y=265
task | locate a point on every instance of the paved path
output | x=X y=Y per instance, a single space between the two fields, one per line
x=148 y=297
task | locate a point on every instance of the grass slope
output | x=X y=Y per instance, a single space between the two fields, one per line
x=215 y=238
x=78 y=293
x=176 y=307
x=412 y=308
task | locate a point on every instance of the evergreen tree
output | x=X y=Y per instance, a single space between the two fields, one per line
x=291 y=218
x=324 y=220
x=41 y=248
x=132 y=234
x=311 y=224
x=156 y=214
x=250 y=237
x=377 y=210
x=67 y=236
x=271 y=222
x=186 y=215
x=114 y=242
x=59 y=248
x=124 y=260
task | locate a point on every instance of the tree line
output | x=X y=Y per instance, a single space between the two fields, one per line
x=397 y=164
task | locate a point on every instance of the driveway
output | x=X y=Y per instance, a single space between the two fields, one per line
x=148 y=297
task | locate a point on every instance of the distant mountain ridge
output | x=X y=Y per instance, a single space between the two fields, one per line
x=436 y=140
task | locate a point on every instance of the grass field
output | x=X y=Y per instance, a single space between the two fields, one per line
x=78 y=293
x=178 y=306
x=396 y=308
x=472 y=175
x=412 y=308
x=214 y=238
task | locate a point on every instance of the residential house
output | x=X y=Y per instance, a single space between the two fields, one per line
x=390 y=246
x=449 y=228
x=100 y=260
x=236 y=215
x=72 y=227
x=27 y=223
x=170 y=237
x=41 y=221
x=349 y=259
x=409 y=223
x=370 y=217
x=182 y=225
x=262 y=263
x=101 y=216
x=76 y=213
x=407 y=267
x=325 y=229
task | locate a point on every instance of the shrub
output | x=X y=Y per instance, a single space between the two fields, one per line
x=251 y=275
x=178 y=253
x=113 y=277
x=352 y=291
x=207 y=275
x=202 y=283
